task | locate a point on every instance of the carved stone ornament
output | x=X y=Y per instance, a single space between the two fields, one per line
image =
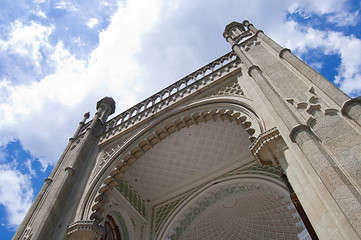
x=263 y=148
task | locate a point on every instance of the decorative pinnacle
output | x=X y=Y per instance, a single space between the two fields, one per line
x=109 y=101
x=232 y=25
x=246 y=23
x=87 y=115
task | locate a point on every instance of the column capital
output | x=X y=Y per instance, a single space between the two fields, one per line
x=85 y=230
x=298 y=128
x=283 y=52
x=349 y=102
x=253 y=67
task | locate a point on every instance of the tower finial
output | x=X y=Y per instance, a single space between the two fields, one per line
x=105 y=107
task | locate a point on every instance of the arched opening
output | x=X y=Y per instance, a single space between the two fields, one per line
x=236 y=207
x=111 y=230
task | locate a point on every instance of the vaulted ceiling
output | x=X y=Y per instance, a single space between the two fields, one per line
x=187 y=157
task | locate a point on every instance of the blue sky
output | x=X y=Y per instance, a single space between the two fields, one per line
x=58 y=58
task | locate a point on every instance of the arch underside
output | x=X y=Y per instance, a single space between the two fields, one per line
x=258 y=215
x=239 y=208
x=193 y=153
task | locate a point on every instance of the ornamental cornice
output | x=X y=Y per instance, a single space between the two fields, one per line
x=263 y=138
x=262 y=147
x=172 y=94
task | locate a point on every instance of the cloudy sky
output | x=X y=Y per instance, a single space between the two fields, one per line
x=58 y=58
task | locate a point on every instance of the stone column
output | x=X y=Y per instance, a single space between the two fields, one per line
x=315 y=198
x=336 y=183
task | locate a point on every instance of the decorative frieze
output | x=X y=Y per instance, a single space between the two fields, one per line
x=232 y=89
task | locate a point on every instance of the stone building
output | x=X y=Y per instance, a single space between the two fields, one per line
x=254 y=145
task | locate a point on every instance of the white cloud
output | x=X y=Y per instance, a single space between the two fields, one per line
x=317 y=7
x=53 y=104
x=343 y=19
x=30 y=168
x=301 y=39
x=317 y=65
x=92 y=22
x=15 y=194
x=146 y=40
x=66 y=5
x=41 y=14
x=27 y=40
x=336 y=11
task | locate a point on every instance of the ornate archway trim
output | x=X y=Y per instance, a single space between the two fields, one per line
x=155 y=132
x=162 y=211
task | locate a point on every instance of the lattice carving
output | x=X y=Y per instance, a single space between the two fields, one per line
x=105 y=156
x=201 y=205
x=157 y=136
x=161 y=212
x=232 y=89
x=132 y=196
x=248 y=45
x=239 y=211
